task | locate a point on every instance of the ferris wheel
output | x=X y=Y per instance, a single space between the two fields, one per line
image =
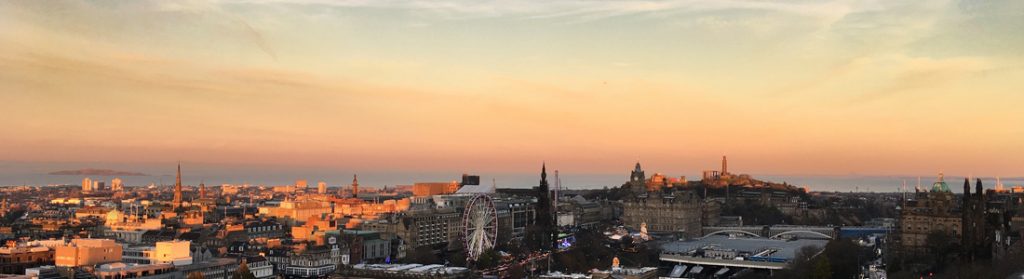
x=480 y=223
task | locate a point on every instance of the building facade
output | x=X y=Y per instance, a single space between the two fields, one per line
x=928 y=211
x=676 y=212
x=87 y=252
x=434 y=188
x=14 y=260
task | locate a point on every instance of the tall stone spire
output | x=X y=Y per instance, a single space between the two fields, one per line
x=725 y=165
x=545 y=214
x=544 y=174
x=177 y=189
x=979 y=190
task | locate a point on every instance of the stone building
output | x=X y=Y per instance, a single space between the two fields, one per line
x=987 y=223
x=14 y=260
x=928 y=211
x=311 y=262
x=637 y=179
x=676 y=212
x=580 y=212
x=662 y=210
x=514 y=216
x=435 y=227
x=712 y=212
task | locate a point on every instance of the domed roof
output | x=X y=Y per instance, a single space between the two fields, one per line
x=940 y=186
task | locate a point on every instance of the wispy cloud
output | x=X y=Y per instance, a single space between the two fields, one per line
x=587 y=9
x=295 y=81
x=914 y=73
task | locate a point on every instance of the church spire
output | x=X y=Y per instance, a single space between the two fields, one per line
x=177 y=188
x=545 y=214
x=979 y=190
x=543 y=174
x=177 y=178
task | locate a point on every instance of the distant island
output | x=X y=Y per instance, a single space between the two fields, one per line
x=98 y=172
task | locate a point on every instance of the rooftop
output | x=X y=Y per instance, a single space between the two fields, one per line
x=412 y=268
x=784 y=250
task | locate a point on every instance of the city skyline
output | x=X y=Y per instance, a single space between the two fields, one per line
x=512 y=139
x=824 y=88
x=156 y=174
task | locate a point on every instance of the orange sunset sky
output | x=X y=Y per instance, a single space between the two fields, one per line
x=786 y=87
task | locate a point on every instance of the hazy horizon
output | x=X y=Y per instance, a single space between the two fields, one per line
x=193 y=173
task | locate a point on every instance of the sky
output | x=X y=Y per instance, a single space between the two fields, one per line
x=789 y=87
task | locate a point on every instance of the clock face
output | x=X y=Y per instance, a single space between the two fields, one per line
x=332 y=240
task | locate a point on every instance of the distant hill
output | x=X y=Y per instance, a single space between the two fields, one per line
x=98 y=172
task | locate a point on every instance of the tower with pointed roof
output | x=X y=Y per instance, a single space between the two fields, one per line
x=545 y=215
x=543 y=175
x=637 y=179
x=637 y=174
x=976 y=238
x=177 y=189
x=355 y=185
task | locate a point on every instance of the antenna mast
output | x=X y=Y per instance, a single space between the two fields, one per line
x=904 y=190
x=554 y=202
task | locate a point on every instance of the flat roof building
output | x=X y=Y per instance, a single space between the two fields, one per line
x=87 y=252
x=434 y=188
x=741 y=252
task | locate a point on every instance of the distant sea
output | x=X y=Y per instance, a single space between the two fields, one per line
x=34 y=174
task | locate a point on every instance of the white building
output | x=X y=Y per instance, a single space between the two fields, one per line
x=176 y=252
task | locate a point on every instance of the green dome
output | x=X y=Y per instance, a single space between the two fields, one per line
x=940 y=186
